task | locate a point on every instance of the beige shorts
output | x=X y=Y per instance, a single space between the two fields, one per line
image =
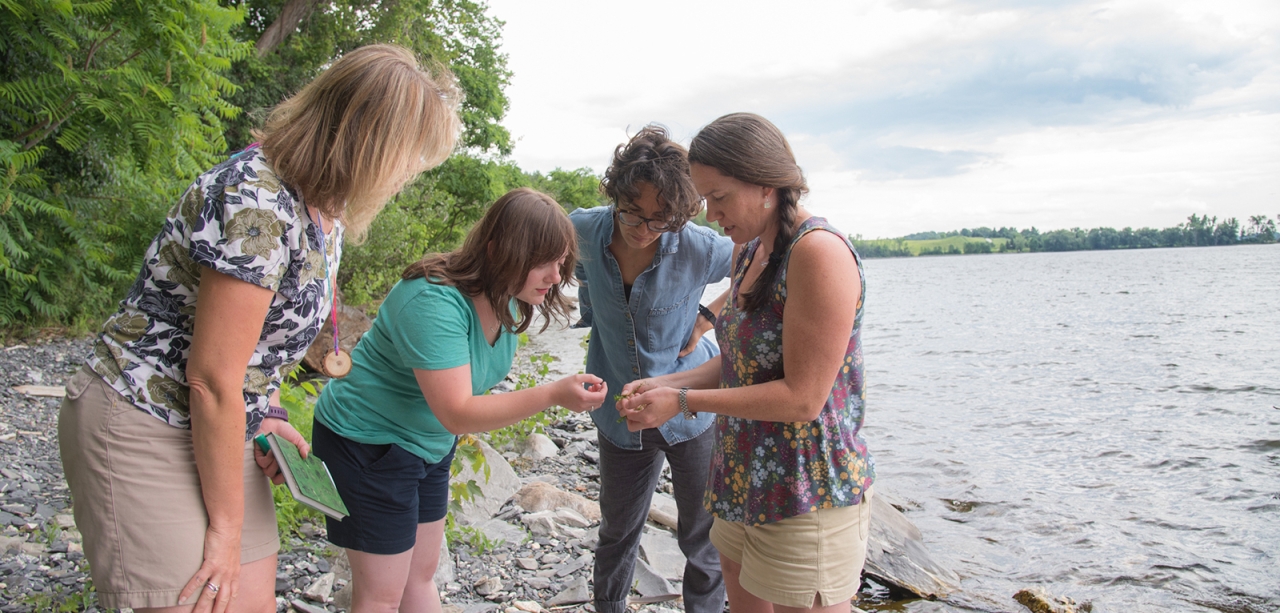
x=137 y=498
x=793 y=561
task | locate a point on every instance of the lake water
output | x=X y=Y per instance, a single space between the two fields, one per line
x=1100 y=424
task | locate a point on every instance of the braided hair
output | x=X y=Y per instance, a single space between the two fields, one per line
x=751 y=149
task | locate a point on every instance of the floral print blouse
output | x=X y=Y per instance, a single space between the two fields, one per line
x=240 y=220
x=764 y=471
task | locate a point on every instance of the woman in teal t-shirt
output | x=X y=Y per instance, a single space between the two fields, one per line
x=444 y=335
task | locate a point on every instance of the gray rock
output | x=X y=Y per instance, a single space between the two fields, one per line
x=538 y=447
x=302 y=607
x=538 y=583
x=342 y=598
x=662 y=510
x=574 y=566
x=662 y=551
x=321 y=589
x=488 y=586
x=650 y=584
x=527 y=563
x=11 y=544
x=896 y=555
x=446 y=571
x=575 y=593
x=543 y=496
x=500 y=485
x=498 y=531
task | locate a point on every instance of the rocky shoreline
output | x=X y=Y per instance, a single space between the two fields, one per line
x=525 y=546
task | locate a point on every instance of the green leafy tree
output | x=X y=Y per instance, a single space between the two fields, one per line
x=107 y=110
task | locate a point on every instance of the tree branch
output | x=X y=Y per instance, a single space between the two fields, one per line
x=291 y=15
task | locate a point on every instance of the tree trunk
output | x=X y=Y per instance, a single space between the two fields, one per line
x=291 y=15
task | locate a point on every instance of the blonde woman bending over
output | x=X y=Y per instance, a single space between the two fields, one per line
x=156 y=429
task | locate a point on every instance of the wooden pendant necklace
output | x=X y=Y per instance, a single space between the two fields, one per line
x=338 y=363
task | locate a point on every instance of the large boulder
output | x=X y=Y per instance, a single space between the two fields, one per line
x=496 y=488
x=542 y=496
x=896 y=555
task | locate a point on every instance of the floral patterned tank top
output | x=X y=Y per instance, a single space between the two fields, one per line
x=763 y=471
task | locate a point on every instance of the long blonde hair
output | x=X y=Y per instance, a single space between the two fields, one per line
x=354 y=136
x=524 y=229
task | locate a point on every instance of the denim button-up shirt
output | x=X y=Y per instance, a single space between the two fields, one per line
x=642 y=337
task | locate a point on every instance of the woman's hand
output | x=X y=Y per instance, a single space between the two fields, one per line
x=700 y=327
x=218 y=579
x=580 y=393
x=267 y=461
x=640 y=385
x=650 y=408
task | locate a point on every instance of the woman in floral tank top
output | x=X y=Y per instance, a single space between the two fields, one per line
x=790 y=486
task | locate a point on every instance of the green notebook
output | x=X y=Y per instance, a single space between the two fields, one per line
x=308 y=479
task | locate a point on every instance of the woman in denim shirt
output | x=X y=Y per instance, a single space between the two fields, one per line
x=641 y=274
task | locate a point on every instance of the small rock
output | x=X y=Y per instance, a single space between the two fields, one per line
x=527 y=606
x=1037 y=600
x=575 y=566
x=538 y=583
x=488 y=586
x=538 y=447
x=321 y=589
x=662 y=510
x=527 y=563
x=302 y=607
x=576 y=593
x=650 y=584
x=342 y=599
x=64 y=521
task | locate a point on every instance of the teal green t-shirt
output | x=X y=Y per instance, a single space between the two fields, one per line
x=424 y=326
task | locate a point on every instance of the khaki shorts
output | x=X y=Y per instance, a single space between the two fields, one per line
x=793 y=561
x=137 y=498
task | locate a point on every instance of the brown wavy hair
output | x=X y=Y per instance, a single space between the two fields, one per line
x=652 y=157
x=751 y=149
x=524 y=229
x=356 y=134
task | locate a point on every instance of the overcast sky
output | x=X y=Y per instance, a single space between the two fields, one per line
x=931 y=114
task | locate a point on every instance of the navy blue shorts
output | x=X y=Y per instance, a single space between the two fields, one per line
x=387 y=490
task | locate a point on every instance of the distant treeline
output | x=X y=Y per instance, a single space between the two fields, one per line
x=1198 y=230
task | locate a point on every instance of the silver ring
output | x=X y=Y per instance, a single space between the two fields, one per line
x=212 y=587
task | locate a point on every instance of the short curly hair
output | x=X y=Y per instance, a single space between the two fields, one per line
x=652 y=157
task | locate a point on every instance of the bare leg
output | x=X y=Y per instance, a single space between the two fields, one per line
x=420 y=592
x=839 y=607
x=257 y=592
x=740 y=600
x=378 y=581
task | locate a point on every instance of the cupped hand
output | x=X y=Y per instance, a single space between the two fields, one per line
x=640 y=385
x=214 y=586
x=581 y=392
x=650 y=408
x=700 y=327
x=267 y=461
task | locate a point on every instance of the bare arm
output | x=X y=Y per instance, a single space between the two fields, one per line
x=448 y=393
x=822 y=290
x=228 y=322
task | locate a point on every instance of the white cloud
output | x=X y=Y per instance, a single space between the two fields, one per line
x=929 y=115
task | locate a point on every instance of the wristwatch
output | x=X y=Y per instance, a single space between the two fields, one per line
x=684 y=404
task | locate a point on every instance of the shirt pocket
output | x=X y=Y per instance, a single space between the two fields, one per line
x=669 y=326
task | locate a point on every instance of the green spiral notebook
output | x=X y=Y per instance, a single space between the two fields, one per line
x=308 y=479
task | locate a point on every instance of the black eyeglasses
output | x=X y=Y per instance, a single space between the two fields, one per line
x=633 y=220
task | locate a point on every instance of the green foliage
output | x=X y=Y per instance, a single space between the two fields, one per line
x=537 y=423
x=107 y=110
x=62 y=599
x=471 y=536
